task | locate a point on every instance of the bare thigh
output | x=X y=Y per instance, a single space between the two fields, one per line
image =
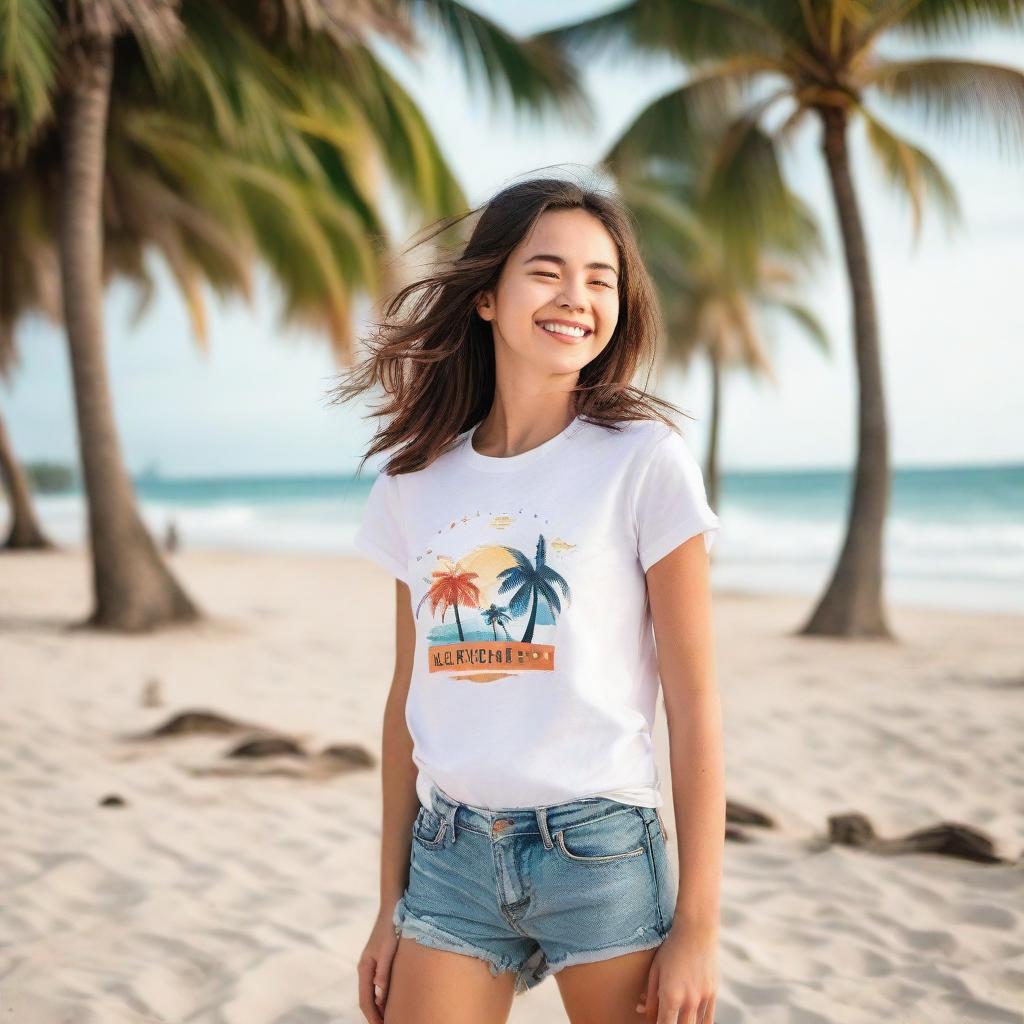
x=605 y=992
x=435 y=986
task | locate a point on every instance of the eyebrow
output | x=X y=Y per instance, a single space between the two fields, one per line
x=561 y=262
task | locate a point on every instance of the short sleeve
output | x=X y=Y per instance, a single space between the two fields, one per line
x=671 y=502
x=381 y=535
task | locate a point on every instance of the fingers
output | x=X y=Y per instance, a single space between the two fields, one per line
x=372 y=1010
x=648 y=1005
x=380 y=991
x=663 y=1011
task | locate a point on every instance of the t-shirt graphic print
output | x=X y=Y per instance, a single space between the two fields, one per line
x=535 y=676
x=504 y=604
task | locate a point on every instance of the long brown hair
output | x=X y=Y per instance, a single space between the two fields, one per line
x=435 y=360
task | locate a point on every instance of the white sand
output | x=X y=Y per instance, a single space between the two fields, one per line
x=247 y=900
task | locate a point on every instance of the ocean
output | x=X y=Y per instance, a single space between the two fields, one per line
x=954 y=536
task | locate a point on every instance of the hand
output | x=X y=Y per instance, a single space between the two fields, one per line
x=375 y=968
x=683 y=981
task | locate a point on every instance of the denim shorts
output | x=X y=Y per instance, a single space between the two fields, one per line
x=533 y=890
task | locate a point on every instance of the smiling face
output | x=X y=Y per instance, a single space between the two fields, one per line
x=556 y=303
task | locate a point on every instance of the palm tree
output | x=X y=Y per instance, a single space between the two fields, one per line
x=495 y=615
x=452 y=587
x=25 y=532
x=531 y=582
x=57 y=69
x=713 y=303
x=74 y=60
x=29 y=282
x=821 y=57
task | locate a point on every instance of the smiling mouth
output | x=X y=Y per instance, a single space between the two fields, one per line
x=568 y=339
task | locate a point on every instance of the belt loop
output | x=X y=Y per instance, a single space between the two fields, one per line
x=450 y=808
x=542 y=822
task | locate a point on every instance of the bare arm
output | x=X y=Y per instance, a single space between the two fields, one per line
x=398 y=772
x=680 y=594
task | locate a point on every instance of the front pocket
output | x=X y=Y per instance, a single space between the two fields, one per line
x=428 y=829
x=616 y=836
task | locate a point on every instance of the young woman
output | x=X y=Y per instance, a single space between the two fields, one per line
x=547 y=526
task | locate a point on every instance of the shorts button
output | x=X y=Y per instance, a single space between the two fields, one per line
x=500 y=825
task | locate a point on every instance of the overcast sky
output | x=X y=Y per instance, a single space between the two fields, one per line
x=951 y=312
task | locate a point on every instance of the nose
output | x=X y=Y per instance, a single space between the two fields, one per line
x=570 y=299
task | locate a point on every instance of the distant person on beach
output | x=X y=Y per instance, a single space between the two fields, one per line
x=171 y=538
x=548 y=530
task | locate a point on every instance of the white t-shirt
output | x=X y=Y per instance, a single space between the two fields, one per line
x=535 y=673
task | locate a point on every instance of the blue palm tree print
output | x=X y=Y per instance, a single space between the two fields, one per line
x=531 y=582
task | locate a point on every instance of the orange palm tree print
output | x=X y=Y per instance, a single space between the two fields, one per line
x=451 y=588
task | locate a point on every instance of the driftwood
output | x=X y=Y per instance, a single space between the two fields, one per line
x=350 y=755
x=743 y=814
x=310 y=767
x=195 y=721
x=736 y=835
x=267 y=745
x=260 y=743
x=949 y=838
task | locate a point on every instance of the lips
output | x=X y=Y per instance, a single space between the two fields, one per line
x=567 y=339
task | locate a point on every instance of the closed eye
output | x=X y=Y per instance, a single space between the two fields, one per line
x=547 y=273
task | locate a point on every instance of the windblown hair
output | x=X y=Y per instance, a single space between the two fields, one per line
x=435 y=360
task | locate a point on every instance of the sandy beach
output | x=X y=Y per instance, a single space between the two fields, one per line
x=241 y=891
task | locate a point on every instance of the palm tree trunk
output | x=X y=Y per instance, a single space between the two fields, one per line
x=133 y=589
x=852 y=602
x=25 y=532
x=711 y=470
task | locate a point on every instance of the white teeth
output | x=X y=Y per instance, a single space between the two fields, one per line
x=573 y=332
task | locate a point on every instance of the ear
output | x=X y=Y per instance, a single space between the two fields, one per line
x=485 y=306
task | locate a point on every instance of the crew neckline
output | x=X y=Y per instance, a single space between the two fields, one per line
x=510 y=463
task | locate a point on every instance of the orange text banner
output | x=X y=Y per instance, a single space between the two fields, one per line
x=480 y=653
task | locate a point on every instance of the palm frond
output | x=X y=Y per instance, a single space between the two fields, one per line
x=29 y=272
x=933 y=21
x=153 y=20
x=962 y=95
x=532 y=73
x=664 y=213
x=144 y=212
x=689 y=29
x=845 y=19
x=28 y=66
x=803 y=317
x=153 y=24
x=788 y=128
x=740 y=340
x=678 y=124
x=298 y=24
x=743 y=192
x=224 y=76
x=912 y=172
x=411 y=156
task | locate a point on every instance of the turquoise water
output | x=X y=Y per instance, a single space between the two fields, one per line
x=954 y=536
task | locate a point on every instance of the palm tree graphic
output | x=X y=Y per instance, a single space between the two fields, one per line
x=451 y=588
x=531 y=582
x=496 y=614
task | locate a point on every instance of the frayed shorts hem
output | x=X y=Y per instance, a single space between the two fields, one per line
x=529 y=973
x=428 y=934
x=645 y=938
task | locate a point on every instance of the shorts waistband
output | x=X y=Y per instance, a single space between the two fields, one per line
x=516 y=820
